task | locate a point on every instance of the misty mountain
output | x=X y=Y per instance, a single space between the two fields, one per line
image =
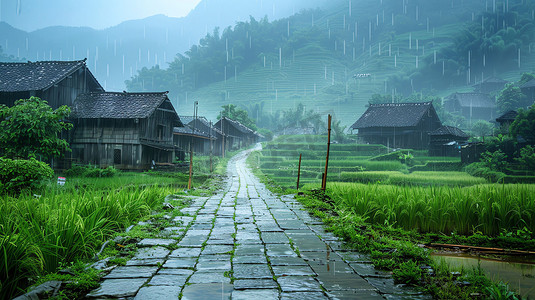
x=116 y=53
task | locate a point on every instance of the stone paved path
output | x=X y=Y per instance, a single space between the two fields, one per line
x=268 y=246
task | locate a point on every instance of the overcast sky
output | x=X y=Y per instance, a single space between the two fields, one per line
x=36 y=14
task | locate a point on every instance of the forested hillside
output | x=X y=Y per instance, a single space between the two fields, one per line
x=393 y=47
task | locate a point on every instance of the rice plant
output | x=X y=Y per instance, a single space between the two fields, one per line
x=489 y=209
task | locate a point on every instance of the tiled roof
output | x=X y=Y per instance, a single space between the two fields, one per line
x=109 y=105
x=508 y=116
x=186 y=130
x=473 y=100
x=449 y=130
x=393 y=115
x=189 y=120
x=528 y=84
x=35 y=76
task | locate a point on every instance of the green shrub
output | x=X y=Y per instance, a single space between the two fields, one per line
x=481 y=170
x=19 y=174
x=76 y=171
x=96 y=172
x=408 y=272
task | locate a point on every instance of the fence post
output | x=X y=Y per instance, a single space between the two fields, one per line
x=299 y=171
x=324 y=181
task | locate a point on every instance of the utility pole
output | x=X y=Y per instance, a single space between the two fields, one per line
x=211 y=148
x=195 y=108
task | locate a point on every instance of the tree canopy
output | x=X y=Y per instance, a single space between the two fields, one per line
x=235 y=113
x=524 y=125
x=511 y=98
x=31 y=128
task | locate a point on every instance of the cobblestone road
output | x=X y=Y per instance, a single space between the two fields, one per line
x=268 y=246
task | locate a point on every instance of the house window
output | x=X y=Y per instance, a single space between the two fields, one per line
x=117 y=156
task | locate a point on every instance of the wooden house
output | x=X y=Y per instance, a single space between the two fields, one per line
x=490 y=85
x=57 y=82
x=131 y=131
x=528 y=89
x=236 y=134
x=200 y=133
x=472 y=106
x=398 y=125
x=447 y=141
x=506 y=120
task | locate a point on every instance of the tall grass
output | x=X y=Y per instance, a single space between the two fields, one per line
x=482 y=208
x=39 y=234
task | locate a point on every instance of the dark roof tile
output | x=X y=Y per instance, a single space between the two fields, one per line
x=35 y=76
x=473 y=100
x=449 y=130
x=392 y=115
x=109 y=105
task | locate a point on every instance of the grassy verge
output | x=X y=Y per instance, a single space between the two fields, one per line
x=44 y=231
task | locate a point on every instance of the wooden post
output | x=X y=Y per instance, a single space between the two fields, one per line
x=299 y=171
x=324 y=182
x=190 y=165
x=211 y=147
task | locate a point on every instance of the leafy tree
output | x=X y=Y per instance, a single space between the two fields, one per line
x=496 y=161
x=235 y=113
x=527 y=158
x=482 y=128
x=31 y=128
x=524 y=125
x=511 y=98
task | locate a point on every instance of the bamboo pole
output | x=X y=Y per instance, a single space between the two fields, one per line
x=324 y=181
x=299 y=171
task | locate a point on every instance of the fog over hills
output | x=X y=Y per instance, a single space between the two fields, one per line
x=116 y=53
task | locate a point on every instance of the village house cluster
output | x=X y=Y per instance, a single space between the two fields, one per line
x=130 y=131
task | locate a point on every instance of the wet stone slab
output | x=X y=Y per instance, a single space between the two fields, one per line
x=213 y=265
x=209 y=277
x=250 y=271
x=256 y=259
x=287 y=261
x=255 y=294
x=145 y=262
x=183 y=263
x=299 y=284
x=275 y=238
x=151 y=253
x=293 y=271
x=207 y=291
x=280 y=250
x=173 y=280
x=303 y=296
x=216 y=257
x=249 y=250
x=368 y=270
x=355 y=294
x=158 y=292
x=117 y=288
x=131 y=272
x=185 y=252
x=244 y=284
x=181 y=272
x=217 y=249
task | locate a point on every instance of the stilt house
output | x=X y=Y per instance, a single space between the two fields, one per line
x=398 y=125
x=201 y=134
x=132 y=131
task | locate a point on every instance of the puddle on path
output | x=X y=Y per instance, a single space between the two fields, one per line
x=519 y=276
